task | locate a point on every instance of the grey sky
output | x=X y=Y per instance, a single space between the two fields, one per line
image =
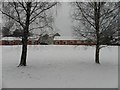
x=63 y=20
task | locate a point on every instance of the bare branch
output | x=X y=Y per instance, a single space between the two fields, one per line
x=111 y=21
x=84 y=15
x=31 y=20
x=12 y=18
x=22 y=4
x=34 y=8
x=108 y=12
x=18 y=14
x=102 y=46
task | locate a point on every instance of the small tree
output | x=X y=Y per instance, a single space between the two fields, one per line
x=26 y=14
x=96 y=21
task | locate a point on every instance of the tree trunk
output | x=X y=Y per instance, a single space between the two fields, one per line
x=97 y=19
x=25 y=36
x=97 y=54
x=24 y=52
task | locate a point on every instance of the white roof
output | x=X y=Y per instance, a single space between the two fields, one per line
x=17 y=38
x=33 y=38
x=10 y=38
x=67 y=38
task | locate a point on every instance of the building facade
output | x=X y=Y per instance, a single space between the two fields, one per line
x=71 y=41
x=17 y=41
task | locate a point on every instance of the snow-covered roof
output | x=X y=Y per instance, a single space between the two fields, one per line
x=67 y=38
x=17 y=38
x=34 y=38
x=10 y=38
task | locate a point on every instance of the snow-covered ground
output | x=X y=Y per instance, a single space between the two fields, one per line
x=0 y=67
x=60 y=67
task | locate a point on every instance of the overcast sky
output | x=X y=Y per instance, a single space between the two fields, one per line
x=63 y=19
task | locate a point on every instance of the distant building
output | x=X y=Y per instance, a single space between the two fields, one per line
x=10 y=41
x=17 y=41
x=67 y=40
x=47 y=39
x=57 y=34
x=44 y=39
x=32 y=40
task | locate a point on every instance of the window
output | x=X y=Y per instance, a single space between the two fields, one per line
x=64 y=42
x=82 y=41
x=71 y=42
x=57 y=42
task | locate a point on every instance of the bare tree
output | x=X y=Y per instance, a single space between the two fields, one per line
x=119 y=23
x=26 y=14
x=96 y=21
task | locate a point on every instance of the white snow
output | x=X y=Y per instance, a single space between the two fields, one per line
x=60 y=67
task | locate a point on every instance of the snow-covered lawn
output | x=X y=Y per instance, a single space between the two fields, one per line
x=60 y=67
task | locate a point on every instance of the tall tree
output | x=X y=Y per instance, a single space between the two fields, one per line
x=96 y=21
x=26 y=14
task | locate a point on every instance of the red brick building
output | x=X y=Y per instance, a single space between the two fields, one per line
x=10 y=41
x=65 y=40
x=17 y=41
